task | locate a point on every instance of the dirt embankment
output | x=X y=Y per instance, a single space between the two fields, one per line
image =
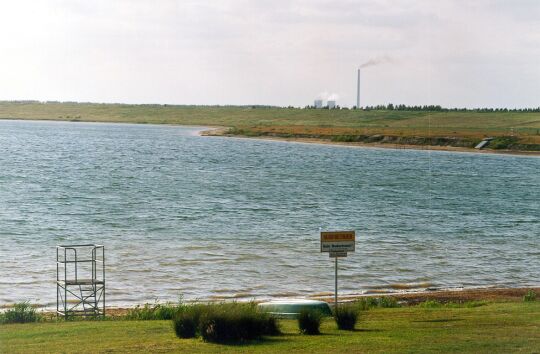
x=383 y=141
x=504 y=294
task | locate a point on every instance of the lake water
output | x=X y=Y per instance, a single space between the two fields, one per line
x=210 y=217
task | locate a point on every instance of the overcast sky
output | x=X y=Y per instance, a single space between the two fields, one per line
x=449 y=52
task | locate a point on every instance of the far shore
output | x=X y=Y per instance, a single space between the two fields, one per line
x=222 y=132
x=515 y=132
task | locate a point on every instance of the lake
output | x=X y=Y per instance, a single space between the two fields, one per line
x=198 y=217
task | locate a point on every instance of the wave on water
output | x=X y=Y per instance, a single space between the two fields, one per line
x=184 y=215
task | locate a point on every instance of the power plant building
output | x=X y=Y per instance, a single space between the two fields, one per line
x=331 y=104
x=318 y=103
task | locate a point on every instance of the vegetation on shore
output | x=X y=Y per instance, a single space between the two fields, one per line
x=309 y=322
x=430 y=125
x=346 y=317
x=493 y=327
x=21 y=312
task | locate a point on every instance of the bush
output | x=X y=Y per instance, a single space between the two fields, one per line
x=451 y=304
x=529 y=296
x=271 y=326
x=382 y=302
x=388 y=302
x=309 y=321
x=21 y=312
x=234 y=322
x=224 y=323
x=503 y=142
x=156 y=311
x=346 y=317
x=430 y=304
x=185 y=324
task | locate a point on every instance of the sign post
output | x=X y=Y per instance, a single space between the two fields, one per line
x=335 y=288
x=337 y=244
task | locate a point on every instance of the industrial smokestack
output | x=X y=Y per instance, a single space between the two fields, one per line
x=358 y=91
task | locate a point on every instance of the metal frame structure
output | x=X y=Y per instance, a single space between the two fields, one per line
x=80 y=280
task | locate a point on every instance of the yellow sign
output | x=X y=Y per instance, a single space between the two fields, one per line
x=333 y=236
x=338 y=241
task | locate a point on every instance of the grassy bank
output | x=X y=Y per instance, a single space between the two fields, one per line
x=516 y=130
x=493 y=328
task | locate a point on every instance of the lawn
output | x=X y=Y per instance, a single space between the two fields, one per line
x=504 y=327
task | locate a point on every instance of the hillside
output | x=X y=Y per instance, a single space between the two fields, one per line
x=516 y=130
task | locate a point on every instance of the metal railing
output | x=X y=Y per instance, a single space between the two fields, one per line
x=90 y=298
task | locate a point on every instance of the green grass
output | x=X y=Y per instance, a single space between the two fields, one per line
x=401 y=127
x=492 y=328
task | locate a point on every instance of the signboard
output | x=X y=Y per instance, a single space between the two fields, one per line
x=337 y=254
x=337 y=241
x=337 y=244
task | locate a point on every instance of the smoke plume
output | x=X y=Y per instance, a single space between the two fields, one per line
x=328 y=96
x=376 y=61
x=333 y=97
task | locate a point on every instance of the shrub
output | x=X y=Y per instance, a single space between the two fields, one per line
x=309 y=321
x=271 y=326
x=383 y=302
x=503 y=142
x=186 y=323
x=346 y=317
x=21 y=312
x=156 y=311
x=366 y=303
x=388 y=302
x=451 y=304
x=167 y=311
x=222 y=323
x=529 y=296
x=430 y=304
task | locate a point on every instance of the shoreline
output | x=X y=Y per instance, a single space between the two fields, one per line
x=222 y=132
x=449 y=295
x=406 y=298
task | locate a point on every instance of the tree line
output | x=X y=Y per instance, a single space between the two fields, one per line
x=381 y=107
x=437 y=108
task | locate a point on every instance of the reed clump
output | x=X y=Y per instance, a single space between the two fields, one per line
x=156 y=311
x=346 y=317
x=529 y=296
x=377 y=302
x=309 y=322
x=225 y=323
x=21 y=312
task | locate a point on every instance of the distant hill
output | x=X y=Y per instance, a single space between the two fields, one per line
x=427 y=125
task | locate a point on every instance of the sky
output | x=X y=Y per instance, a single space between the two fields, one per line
x=455 y=53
